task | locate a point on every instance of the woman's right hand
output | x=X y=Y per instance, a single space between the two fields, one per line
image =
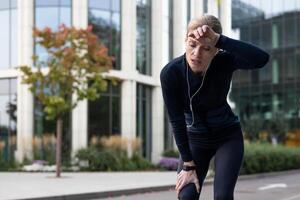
x=185 y=177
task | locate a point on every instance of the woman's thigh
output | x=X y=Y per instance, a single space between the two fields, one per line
x=228 y=160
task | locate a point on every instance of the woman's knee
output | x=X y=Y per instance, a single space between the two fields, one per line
x=188 y=192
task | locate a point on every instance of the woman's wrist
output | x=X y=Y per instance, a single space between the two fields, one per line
x=189 y=163
x=217 y=36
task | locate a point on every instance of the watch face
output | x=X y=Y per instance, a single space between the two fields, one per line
x=188 y=168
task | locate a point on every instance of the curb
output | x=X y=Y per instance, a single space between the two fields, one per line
x=116 y=193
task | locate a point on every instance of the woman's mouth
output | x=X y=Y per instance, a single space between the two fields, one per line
x=195 y=61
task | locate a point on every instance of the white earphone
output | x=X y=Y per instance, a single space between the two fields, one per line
x=189 y=92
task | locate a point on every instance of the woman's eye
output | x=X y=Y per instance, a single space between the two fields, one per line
x=207 y=49
x=192 y=44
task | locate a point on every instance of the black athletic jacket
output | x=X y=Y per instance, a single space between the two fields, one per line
x=211 y=99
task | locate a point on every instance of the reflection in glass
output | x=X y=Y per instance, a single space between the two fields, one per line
x=104 y=16
x=104 y=115
x=7 y=38
x=8 y=118
x=51 y=14
x=144 y=119
x=143 y=43
x=45 y=132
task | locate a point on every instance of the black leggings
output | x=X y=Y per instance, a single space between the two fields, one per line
x=227 y=146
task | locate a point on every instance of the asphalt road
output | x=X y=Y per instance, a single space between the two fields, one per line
x=282 y=187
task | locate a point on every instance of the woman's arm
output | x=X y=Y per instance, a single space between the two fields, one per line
x=170 y=91
x=244 y=55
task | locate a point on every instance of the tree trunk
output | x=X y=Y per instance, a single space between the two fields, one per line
x=59 y=126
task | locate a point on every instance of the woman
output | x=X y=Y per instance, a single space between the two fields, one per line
x=195 y=87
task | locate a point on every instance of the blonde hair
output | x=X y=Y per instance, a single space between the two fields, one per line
x=205 y=19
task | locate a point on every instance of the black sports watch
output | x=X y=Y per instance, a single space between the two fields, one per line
x=188 y=167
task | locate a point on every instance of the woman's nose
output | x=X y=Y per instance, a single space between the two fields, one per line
x=197 y=52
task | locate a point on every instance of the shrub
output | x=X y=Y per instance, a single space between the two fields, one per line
x=111 y=160
x=267 y=158
x=169 y=163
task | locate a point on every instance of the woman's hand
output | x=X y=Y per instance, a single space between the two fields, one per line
x=185 y=177
x=205 y=35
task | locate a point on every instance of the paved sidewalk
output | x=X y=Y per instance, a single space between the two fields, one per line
x=89 y=185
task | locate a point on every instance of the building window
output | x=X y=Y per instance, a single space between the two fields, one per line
x=105 y=18
x=51 y=14
x=8 y=35
x=8 y=118
x=104 y=114
x=143 y=43
x=144 y=121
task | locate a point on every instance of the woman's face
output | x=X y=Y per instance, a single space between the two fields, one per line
x=198 y=55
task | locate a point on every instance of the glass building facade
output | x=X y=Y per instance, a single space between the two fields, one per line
x=275 y=89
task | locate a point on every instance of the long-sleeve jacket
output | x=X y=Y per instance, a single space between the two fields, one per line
x=234 y=54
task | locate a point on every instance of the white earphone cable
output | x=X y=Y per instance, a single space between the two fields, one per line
x=189 y=93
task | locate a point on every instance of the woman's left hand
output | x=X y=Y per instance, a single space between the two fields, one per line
x=205 y=35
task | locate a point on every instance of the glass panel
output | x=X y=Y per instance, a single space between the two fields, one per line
x=104 y=16
x=14 y=38
x=65 y=2
x=13 y=3
x=4 y=4
x=116 y=5
x=13 y=86
x=101 y=24
x=143 y=37
x=143 y=118
x=47 y=2
x=4 y=39
x=4 y=86
x=4 y=117
x=50 y=17
x=100 y=4
x=47 y=17
x=104 y=113
x=65 y=16
x=116 y=115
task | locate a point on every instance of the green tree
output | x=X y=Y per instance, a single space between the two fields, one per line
x=75 y=64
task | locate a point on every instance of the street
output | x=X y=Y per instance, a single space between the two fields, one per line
x=283 y=187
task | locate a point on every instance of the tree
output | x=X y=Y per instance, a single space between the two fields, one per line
x=76 y=63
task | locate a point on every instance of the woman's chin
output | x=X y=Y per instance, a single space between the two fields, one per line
x=196 y=69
